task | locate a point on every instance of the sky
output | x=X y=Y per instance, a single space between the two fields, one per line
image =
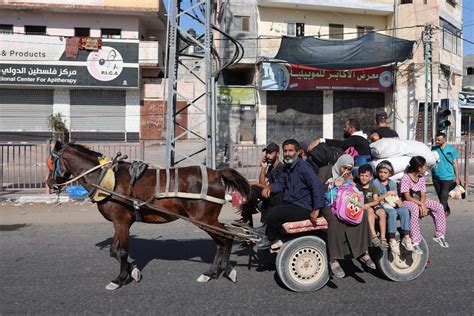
x=468 y=23
x=468 y=26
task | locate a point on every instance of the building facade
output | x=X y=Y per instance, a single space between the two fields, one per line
x=94 y=62
x=280 y=113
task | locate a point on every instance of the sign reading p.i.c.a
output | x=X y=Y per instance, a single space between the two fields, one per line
x=37 y=60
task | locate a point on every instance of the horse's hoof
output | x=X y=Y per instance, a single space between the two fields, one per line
x=232 y=275
x=203 y=278
x=136 y=275
x=112 y=286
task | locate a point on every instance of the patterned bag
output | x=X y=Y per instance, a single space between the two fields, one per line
x=349 y=204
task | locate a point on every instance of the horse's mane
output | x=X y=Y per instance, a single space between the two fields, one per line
x=83 y=149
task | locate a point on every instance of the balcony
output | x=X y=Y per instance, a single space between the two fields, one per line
x=375 y=7
x=149 y=54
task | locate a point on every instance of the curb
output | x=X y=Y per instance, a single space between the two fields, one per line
x=38 y=198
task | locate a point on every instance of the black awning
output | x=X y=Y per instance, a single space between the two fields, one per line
x=370 y=50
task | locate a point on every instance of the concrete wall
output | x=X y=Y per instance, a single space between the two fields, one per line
x=274 y=21
x=63 y=24
x=410 y=78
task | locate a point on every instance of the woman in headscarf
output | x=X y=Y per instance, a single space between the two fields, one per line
x=345 y=239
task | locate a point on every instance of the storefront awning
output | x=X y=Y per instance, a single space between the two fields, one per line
x=370 y=50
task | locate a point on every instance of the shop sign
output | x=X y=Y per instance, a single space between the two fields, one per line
x=36 y=60
x=236 y=95
x=466 y=100
x=291 y=77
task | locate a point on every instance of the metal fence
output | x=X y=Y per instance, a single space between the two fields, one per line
x=23 y=166
x=246 y=159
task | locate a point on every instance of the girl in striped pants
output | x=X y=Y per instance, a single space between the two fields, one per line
x=413 y=189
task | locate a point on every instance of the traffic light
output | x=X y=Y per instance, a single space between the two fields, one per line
x=442 y=121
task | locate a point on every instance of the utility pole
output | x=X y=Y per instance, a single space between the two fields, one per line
x=199 y=66
x=427 y=40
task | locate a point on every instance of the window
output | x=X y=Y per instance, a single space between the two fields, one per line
x=406 y=1
x=470 y=71
x=450 y=36
x=452 y=2
x=295 y=29
x=242 y=23
x=111 y=33
x=82 y=31
x=336 y=31
x=362 y=30
x=6 y=29
x=35 y=30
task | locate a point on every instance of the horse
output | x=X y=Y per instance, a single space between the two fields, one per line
x=75 y=160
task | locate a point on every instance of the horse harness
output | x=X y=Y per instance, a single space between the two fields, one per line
x=136 y=170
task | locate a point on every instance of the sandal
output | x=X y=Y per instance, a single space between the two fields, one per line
x=337 y=270
x=375 y=241
x=383 y=244
x=367 y=261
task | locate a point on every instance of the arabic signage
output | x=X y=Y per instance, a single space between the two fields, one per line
x=291 y=77
x=41 y=61
x=466 y=100
x=236 y=95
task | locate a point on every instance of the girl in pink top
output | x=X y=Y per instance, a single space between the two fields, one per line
x=413 y=190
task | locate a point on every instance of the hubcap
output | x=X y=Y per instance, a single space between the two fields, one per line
x=306 y=265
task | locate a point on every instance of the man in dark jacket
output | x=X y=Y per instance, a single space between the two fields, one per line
x=303 y=195
x=354 y=140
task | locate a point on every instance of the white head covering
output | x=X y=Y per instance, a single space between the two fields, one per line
x=344 y=160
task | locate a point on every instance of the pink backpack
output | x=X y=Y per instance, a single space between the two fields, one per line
x=349 y=204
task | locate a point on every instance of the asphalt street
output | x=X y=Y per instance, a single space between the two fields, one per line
x=55 y=260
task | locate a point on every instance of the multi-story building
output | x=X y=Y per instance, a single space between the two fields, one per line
x=305 y=113
x=95 y=62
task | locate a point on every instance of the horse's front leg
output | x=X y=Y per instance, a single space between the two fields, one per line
x=119 y=250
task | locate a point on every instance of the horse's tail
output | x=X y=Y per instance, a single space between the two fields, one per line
x=233 y=180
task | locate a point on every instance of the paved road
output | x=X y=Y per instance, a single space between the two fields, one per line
x=54 y=260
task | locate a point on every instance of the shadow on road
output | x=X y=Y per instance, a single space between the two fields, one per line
x=145 y=250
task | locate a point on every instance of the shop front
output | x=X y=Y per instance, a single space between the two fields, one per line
x=305 y=102
x=92 y=83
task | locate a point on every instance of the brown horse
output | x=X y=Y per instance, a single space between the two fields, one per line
x=73 y=160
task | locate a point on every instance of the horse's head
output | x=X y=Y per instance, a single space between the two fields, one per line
x=58 y=172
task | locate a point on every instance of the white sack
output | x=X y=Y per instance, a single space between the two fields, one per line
x=394 y=147
x=399 y=163
x=396 y=177
x=388 y=147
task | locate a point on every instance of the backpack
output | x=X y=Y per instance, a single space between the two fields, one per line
x=349 y=204
x=323 y=155
x=351 y=151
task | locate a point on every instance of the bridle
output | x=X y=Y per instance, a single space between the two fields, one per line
x=55 y=166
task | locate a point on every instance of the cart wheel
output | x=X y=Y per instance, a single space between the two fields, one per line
x=405 y=267
x=302 y=264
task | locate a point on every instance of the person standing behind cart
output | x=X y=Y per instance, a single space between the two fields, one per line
x=303 y=195
x=446 y=171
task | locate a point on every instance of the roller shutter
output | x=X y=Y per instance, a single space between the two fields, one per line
x=98 y=110
x=25 y=109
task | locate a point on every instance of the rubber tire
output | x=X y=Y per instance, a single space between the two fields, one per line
x=314 y=249
x=389 y=269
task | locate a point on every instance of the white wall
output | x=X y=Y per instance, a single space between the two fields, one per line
x=63 y=24
x=132 y=111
